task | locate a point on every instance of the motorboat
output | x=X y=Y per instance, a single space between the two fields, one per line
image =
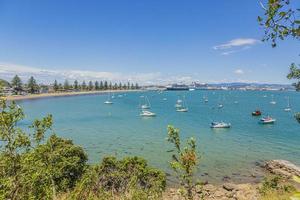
x=182 y=109
x=220 y=125
x=146 y=113
x=220 y=105
x=256 y=113
x=267 y=120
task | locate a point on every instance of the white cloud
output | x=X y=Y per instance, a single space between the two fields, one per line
x=239 y=71
x=237 y=43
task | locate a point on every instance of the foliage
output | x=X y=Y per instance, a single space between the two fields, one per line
x=55 y=86
x=58 y=165
x=66 y=85
x=32 y=86
x=297 y=116
x=184 y=161
x=294 y=74
x=275 y=187
x=130 y=178
x=280 y=21
x=76 y=87
x=16 y=84
x=29 y=169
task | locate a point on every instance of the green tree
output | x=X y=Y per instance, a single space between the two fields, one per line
x=132 y=86
x=66 y=85
x=101 y=85
x=136 y=86
x=83 y=85
x=55 y=86
x=105 y=85
x=97 y=85
x=32 y=86
x=16 y=84
x=13 y=142
x=281 y=20
x=90 y=86
x=76 y=86
x=120 y=86
x=110 y=86
x=115 y=86
x=184 y=161
x=30 y=169
x=128 y=86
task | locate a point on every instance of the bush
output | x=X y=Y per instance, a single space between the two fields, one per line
x=129 y=178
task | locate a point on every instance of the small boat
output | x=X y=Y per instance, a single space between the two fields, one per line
x=265 y=96
x=181 y=109
x=108 y=101
x=288 y=108
x=145 y=103
x=120 y=95
x=220 y=105
x=272 y=101
x=235 y=102
x=164 y=99
x=267 y=120
x=191 y=89
x=256 y=113
x=146 y=113
x=205 y=100
x=220 y=125
x=181 y=105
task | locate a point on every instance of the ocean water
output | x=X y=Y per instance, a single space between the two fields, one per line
x=233 y=153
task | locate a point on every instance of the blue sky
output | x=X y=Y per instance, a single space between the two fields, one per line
x=149 y=41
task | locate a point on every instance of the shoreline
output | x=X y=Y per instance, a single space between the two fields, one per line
x=61 y=94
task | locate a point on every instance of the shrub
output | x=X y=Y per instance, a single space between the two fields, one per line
x=129 y=178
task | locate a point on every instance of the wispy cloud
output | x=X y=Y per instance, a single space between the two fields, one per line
x=236 y=45
x=239 y=71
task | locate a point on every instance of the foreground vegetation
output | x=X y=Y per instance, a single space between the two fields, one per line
x=33 y=167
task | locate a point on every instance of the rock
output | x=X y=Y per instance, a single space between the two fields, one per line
x=283 y=168
x=229 y=186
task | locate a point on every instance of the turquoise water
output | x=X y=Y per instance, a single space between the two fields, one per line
x=119 y=130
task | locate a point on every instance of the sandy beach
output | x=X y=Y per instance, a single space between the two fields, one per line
x=61 y=94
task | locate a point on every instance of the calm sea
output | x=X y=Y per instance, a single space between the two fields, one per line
x=233 y=153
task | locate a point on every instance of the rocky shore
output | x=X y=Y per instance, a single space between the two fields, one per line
x=233 y=191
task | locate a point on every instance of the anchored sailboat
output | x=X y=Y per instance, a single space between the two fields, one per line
x=145 y=104
x=182 y=107
x=288 y=108
x=272 y=101
x=108 y=101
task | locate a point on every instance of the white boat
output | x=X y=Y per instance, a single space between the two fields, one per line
x=205 y=100
x=236 y=102
x=181 y=105
x=267 y=120
x=108 y=101
x=165 y=99
x=272 y=101
x=120 y=95
x=220 y=105
x=145 y=104
x=178 y=103
x=146 y=113
x=288 y=108
x=191 y=89
x=220 y=125
x=265 y=96
x=182 y=109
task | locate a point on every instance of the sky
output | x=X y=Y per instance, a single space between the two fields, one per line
x=144 y=41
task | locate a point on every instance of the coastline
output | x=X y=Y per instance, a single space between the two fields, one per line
x=61 y=94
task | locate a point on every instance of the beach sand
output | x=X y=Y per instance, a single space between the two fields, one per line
x=61 y=94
